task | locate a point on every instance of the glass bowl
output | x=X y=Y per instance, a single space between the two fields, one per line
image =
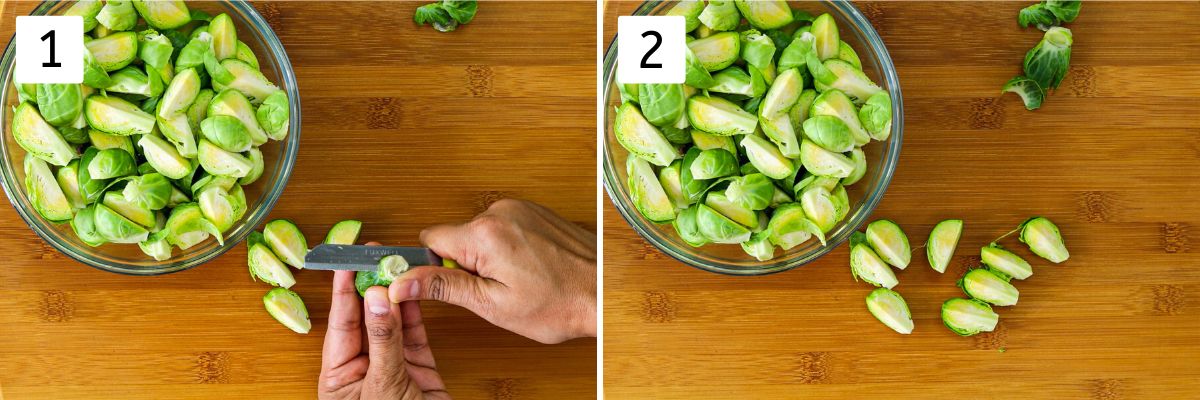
x=260 y=196
x=855 y=29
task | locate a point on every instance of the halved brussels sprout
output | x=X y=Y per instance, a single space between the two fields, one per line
x=226 y=183
x=163 y=14
x=859 y=158
x=178 y=130
x=59 y=103
x=865 y=264
x=847 y=54
x=94 y=74
x=782 y=95
x=830 y=133
x=692 y=188
x=244 y=53
x=248 y=80
x=943 y=239
x=180 y=94
x=116 y=116
x=823 y=162
x=968 y=317
x=686 y=226
x=286 y=241
x=662 y=104
x=752 y=191
x=849 y=80
x=889 y=242
x=233 y=103
x=274 y=115
x=74 y=135
x=218 y=207
x=647 y=192
x=224 y=35
x=836 y=104
x=256 y=170
x=669 y=178
x=156 y=246
x=718 y=51
x=718 y=228
x=707 y=141
x=188 y=227
x=720 y=15
x=344 y=232
x=90 y=188
x=641 y=138
x=390 y=268
x=718 y=116
x=989 y=287
x=217 y=161
x=44 y=192
x=84 y=225
x=825 y=33
x=226 y=132
x=799 y=112
x=114 y=51
x=38 y=138
x=142 y=216
x=115 y=228
x=193 y=54
x=163 y=157
x=1004 y=261
x=150 y=191
x=766 y=15
x=820 y=206
x=789 y=227
x=767 y=158
x=68 y=181
x=88 y=9
x=286 y=307
x=721 y=204
x=1043 y=239
x=264 y=266
x=694 y=75
x=198 y=111
x=876 y=116
x=758 y=50
x=714 y=163
x=112 y=163
x=690 y=11
x=841 y=202
x=117 y=15
x=759 y=246
x=780 y=197
x=154 y=49
x=132 y=80
x=177 y=197
x=734 y=80
x=889 y=308
x=780 y=131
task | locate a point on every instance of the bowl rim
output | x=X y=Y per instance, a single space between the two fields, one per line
x=286 y=162
x=888 y=71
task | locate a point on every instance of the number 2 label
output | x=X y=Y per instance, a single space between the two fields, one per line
x=49 y=49
x=650 y=49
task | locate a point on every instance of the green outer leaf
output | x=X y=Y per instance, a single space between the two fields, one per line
x=1029 y=90
x=1048 y=62
x=462 y=11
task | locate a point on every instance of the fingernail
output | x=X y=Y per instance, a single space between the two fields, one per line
x=377 y=303
x=413 y=289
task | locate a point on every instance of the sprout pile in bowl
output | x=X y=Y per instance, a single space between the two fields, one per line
x=154 y=147
x=758 y=146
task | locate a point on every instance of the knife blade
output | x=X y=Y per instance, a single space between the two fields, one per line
x=364 y=258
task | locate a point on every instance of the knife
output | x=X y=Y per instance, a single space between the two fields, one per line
x=365 y=258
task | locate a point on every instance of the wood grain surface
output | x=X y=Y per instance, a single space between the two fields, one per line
x=403 y=127
x=1113 y=157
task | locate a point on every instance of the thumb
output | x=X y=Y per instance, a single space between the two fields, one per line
x=386 y=376
x=446 y=285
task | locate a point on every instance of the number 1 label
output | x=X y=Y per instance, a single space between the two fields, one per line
x=650 y=49
x=49 y=49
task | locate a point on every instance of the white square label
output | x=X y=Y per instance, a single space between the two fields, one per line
x=49 y=49
x=650 y=49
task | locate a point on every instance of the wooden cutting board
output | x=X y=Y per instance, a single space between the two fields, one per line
x=403 y=127
x=1113 y=157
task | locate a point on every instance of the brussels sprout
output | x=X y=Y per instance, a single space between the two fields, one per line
x=1037 y=15
x=219 y=207
x=274 y=115
x=344 y=232
x=820 y=161
x=1064 y=10
x=1043 y=239
x=629 y=91
x=720 y=15
x=789 y=227
x=132 y=80
x=859 y=158
x=114 y=51
x=661 y=103
x=264 y=266
x=59 y=103
x=693 y=188
x=163 y=157
x=286 y=241
x=686 y=226
x=757 y=49
x=180 y=94
x=68 y=181
x=233 y=103
x=1047 y=63
x=695 y=75
x=94 y=75
x=678 y=135
x=968 y=317
x=714 y=163
x=640 y=137
x=154 y=49
x=1004 y=261
x=771 y=14
x=163 y=14
x=782 y=95
x=390 y=267
x=84 y=225
x=177 y=197
x=889 y=242
x=226 y=132
x=286 y=307
x=843 y=76
x=706 y=141
x=780 y=131
x=865 y=264
x=721 y=204
x=876 y=116
x=256 y=169
x=647 y=193
x=156 y=246
x=989 y=287
x=248 y=80
x=117 y=15
x=188 y=227
x=759 y=246
x=889 y=308
x=178 y=130
x=151 y=191
x=779 y=197
x=73 y=135
x=87 y=9
x=734 y=80
x=690 y=11
x=140 y=215
x=44 y=192
x=767 y=158
x=217 y=161
x=752 y=191
x=226 y=183
x=1031 y=94
x=718 y=116
x=112 y=163
x=246 y=54
x=841 y=203
x=836 y=104
x=38 y=138
x=718 y=228
x=821 y=207
x=89 y=188
x=192 y=54
x=115 y=228
x=847 y=54
x=942 y=242
x=830 y=133
x=116 y=116
x=669 y=178
x=198 y=111
x=224 y=35
x=718 y=51
x=825 y=33
x=799 y=112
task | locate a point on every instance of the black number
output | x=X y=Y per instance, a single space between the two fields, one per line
x=657 y=42
x=52 y=63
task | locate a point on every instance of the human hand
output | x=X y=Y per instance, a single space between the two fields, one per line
x=524 y=269
x=391 y=359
